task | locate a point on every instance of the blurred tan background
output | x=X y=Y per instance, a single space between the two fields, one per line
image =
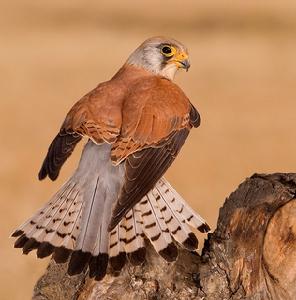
x=242 y=80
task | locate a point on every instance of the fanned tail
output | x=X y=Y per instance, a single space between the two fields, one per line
x=55 y=225
x=73 y=225
x=163 y=217
x=184 y=212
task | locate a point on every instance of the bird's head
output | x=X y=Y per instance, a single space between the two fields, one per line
x=160 y=55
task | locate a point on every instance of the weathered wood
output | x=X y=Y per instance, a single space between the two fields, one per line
x=251 y=255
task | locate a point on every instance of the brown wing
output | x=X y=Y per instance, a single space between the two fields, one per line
x=153 y=110
x=97 y=116
x=153 y=132
x=143 y=170
x=194 y=116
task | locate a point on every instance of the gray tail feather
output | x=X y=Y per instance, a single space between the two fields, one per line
x=74 y=223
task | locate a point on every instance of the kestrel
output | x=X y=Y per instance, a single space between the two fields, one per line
x=136 y=124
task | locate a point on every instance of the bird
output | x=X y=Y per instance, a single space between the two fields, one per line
x=118 y=199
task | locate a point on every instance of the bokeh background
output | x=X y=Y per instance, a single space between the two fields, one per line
x=242 y=80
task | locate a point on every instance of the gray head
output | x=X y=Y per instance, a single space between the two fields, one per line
x=161 y=55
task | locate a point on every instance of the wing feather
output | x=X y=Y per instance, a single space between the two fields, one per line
x=97 y=115
x=151 y=165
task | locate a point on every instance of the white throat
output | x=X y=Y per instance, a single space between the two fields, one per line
x=169 y=71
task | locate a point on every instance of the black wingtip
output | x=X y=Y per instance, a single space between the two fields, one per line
x=53 y=176
x=42 y=173
x=58 y=152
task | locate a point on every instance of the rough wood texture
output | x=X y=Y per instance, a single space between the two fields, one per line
x=251 y=255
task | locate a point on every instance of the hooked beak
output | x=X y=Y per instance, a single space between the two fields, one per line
x=185 y=64
x=182 y=61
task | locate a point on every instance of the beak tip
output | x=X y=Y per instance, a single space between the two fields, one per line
x=186 y=64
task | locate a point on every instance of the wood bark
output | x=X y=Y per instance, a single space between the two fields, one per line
x=250 y=255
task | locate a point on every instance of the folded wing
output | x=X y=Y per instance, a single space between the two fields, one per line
x=156 y=122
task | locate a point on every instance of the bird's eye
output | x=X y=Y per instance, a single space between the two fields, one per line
x=167 y=51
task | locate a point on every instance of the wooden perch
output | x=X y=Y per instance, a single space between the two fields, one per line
x=251 y=255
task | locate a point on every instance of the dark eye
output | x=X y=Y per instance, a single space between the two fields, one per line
x=166 y=50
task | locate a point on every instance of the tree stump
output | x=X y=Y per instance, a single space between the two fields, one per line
x=251 y=255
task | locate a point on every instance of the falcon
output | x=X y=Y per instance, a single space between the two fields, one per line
x=117 y=198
